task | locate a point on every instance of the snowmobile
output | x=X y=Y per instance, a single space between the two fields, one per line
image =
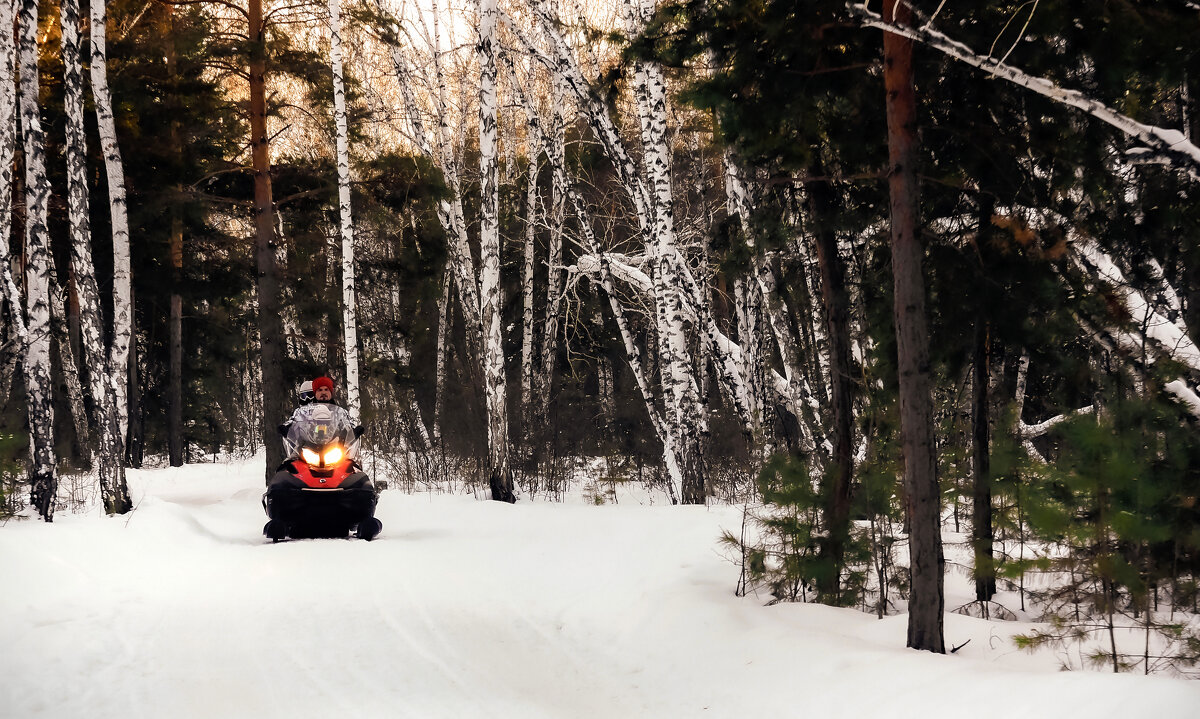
x=320 y=491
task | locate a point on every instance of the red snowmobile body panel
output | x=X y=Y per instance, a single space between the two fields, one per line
x=323 y=478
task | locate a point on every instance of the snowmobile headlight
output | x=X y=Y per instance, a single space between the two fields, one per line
x=310 y=457
x=333 y=456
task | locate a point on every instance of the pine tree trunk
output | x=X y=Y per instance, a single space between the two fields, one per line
x=175 y=341
x=135 y=437
x=349 y=313
x=115 y=171
x=981 y=526
x=837 y=321
x=175 y=323
x=926 y=598
x=43 y=478
x=270 y=326
x=489 y=274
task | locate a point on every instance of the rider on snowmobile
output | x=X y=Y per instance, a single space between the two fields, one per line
x=316 y=391
x=285 y=495
x=306 y=392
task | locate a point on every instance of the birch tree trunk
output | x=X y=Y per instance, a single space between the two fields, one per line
x=114 y=169
x=527 y=348
x=678 y=377
x=8 y=148
x=489 y=272
x=436 y=146
x=554 y=144
x=633 y=355
x=68 y=372
x=350 y=316
x=16 y=330
x=105 y=414
x=43 y=477
x=926 y=599
x=439 y=387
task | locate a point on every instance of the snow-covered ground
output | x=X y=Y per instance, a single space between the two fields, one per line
x=466 y=608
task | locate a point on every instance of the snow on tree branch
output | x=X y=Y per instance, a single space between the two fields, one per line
x=1161 y=144
x=1029 y=431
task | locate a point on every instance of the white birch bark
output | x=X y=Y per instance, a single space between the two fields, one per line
x=749 y=294
x=1155 y=329
x=349 y=313
x=436 y=146
x=69 y=371
x=110 y=458
x=604 y=269
x=555 y=147
x=489 y=251
x=38 y=385
x=562 y=65
x=8 y=146
x=439 y=389
x=677 y=370
x=118 y=363
x=527 y=348
x=1022 y=381
x=686 y=418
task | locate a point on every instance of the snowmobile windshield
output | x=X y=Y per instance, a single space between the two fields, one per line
x=317 y=427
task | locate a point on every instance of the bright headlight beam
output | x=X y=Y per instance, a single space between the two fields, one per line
x=310 y=456
x=333 y=456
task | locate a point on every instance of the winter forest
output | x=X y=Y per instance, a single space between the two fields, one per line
x=888 y=278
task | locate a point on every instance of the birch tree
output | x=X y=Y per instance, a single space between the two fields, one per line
x=600 y=262
x=555 y=147
x=435 y=144
x=489 y=271
x=8 y=146
x=105 y=415
x=349 y=316
x=678 y=376
x=527 y=268
x=686 y=420
x=118 y=364
x=43 y=476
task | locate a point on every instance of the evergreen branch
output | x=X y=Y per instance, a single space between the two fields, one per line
x=1170 y=145
x=223 y=3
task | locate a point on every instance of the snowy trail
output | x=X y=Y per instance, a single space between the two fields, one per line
x=465 y=608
